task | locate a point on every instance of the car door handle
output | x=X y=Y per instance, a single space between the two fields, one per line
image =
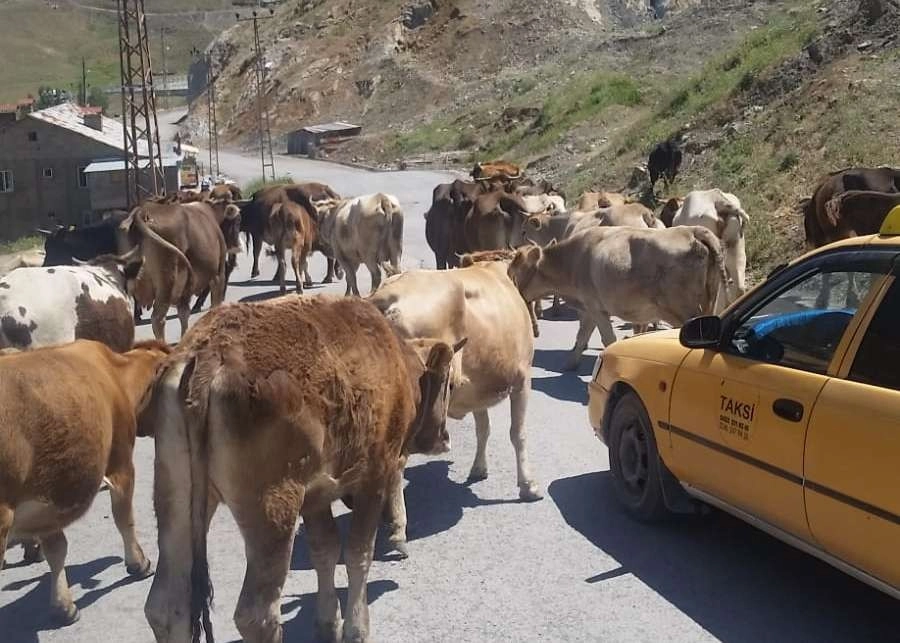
x=788 y=409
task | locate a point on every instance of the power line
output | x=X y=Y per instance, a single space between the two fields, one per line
x=265 y=132
x=212 y=121
x=143 y=155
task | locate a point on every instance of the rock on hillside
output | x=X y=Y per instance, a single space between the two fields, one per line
x=388 y=63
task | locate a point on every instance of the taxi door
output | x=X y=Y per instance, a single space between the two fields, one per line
x=739 y=414
x=853 y=449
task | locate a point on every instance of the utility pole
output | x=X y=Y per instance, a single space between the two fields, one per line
x=265 y=133
x=212 y=121
x=143 y=155
x=83 y=83
x=162 y=46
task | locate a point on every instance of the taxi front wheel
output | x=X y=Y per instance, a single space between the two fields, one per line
x=634 y=460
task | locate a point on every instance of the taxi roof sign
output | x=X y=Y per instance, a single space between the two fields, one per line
x=891 y=223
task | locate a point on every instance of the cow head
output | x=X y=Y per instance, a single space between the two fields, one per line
x=476 y=171
x=537 y=228
x=524 y=269
x=438 y=371
x=231 y=228
x=57 y=250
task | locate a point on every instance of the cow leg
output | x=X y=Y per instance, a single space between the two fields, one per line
x=158 y=319
x=350 y=272
x=479 y=469
x=6 y=521
x=268 y=545
x=518 y=403
x=395 y=511
x=329 y=270
x=533 y=313
x=282 y=269
x=338 y=269
x=121 y=492
x=201 y=299
x=298 y=271
x=325 y=550
x=257 y=248
x=55 y=547
x=375 y=271
x=367 y=508
x=184 y=314
x=440 y=261
x=585 y=330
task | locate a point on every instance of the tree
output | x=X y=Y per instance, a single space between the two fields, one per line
x=98 y=98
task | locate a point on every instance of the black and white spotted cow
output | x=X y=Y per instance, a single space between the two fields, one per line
x=46 y=306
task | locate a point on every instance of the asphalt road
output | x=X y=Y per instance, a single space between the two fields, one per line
x=483 y=566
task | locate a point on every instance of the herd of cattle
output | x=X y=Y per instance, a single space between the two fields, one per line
x=281 y=407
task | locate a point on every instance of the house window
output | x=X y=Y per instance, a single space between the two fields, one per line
x=6 y=181
x=82 y=177
x=48 y=172
x=32 y=136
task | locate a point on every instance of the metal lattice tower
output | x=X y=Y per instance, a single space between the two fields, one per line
x=213 y=124
x=265 y=133
x=143 y=155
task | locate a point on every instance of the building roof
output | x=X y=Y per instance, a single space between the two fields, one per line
x=71 y=117
x=118 y=165
x=328 y=127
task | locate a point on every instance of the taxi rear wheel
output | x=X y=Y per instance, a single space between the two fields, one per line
x=634 y=460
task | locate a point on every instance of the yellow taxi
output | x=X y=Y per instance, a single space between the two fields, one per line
x=784 y=410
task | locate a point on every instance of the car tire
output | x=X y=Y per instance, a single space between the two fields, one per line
x=634 y=460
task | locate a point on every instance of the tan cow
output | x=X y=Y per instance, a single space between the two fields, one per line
x=366 y=230
x=722 y=214
x=184 y=254
x=68 y=421
x=481 y=303
x=290 y=226
x=30 y=259
x=640 y=276
x=277 y=409
x=594 y=200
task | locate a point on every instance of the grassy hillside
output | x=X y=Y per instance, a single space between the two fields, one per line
x=40 y=45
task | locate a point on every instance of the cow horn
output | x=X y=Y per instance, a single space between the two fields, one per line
x=458 y=345
x=44 y=232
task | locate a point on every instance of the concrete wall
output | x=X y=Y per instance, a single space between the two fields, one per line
x=37 y=201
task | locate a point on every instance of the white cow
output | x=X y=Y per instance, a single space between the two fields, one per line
x=365 y=230
x=46 y=306
x=722 y=214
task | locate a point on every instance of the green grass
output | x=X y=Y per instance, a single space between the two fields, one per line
x=258 y=183
x=437 y=135
x=21 y=245
x=44 y=46
x=578 y=101
x=724 y=76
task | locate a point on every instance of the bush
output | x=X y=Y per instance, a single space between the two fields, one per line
x=258 y=183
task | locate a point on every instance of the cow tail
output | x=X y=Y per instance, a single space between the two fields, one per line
x=151 y=234
x=833 y=209
x=716 y=274
x=194 y=393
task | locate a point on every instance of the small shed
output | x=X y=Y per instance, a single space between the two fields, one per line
x=312 y=137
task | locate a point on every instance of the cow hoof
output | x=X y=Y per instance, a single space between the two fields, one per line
x=140 y=570
x=327 y=280
x=401 y=548
x=308 y=284
x=254 y=274
x=477 y=476
x=66 y=615
x=354 y=635
x=33 y=553
x=530 y=493
x=330 y=632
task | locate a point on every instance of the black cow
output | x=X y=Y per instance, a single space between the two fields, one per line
x=63 y=246
x=665 y=161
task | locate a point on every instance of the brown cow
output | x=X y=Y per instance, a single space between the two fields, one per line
x=290 y=226
x=859 y=212
x=501 y=170
x=495 y=222
x=819 y=228
x=184 y=254
x=266 y=408
x=69 y=421
x=444 y=220
x=311 y=196
x=225 y=192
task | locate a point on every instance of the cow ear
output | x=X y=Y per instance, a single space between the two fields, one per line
x=552 y=242
x=534 y=222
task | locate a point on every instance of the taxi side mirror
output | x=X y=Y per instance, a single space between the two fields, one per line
x=701 y=332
